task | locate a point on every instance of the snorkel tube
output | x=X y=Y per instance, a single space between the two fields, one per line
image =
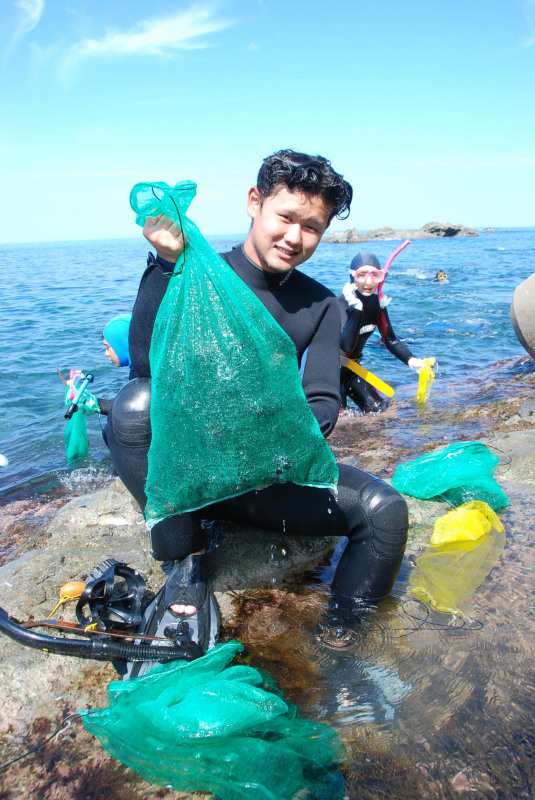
x=87 y=379
x=109 y=610
x=100 y=648
x=386 y=267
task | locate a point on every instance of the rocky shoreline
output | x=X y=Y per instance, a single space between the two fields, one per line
x=40 y=690
x=431 y=230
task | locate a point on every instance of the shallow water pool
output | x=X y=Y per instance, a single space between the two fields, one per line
x=429 y=705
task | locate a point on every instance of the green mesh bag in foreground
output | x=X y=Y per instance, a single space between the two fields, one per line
x=459 y=473
x=207 y=726
x=228 y=411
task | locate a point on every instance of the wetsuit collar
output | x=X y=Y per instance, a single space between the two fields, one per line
x=272 y=278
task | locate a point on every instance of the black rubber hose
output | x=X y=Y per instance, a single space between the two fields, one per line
x=100 y=649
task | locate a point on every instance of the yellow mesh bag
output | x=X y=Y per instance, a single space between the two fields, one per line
x=449 y=572
x=426 y=377
x=469 y=522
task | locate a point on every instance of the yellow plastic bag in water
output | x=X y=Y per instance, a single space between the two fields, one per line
x=468 y=522
x=426 y=377
x=447 y=574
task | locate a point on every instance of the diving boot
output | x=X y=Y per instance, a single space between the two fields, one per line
x=186 y=585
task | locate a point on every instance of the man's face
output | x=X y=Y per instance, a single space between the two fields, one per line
x=287 y=227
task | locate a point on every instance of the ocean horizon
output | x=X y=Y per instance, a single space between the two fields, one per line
x=481 y=229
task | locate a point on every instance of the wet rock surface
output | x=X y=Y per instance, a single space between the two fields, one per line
x=276 y=620
x=41 y=689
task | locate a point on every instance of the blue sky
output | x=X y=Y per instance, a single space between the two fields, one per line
x=426 y=107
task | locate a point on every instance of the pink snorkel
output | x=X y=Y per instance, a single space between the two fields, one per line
x=387 y=266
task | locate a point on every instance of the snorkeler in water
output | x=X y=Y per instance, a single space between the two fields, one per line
x=115 y=340
x=440 y=276
x=363 y=311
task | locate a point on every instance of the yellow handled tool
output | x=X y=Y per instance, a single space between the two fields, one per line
x=368 y=376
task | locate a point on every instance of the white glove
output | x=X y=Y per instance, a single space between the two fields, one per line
x=384 y=301
x=350 y=296
x=416 y=364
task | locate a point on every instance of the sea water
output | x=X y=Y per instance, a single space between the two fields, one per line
x=431 y=706
x=57 y=298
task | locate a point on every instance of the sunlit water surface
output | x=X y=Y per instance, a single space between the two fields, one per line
x=429 y=705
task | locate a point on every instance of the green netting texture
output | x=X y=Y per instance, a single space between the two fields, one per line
x=76 y=441
x=228 y=411
x=209 y=726
x=459 y=473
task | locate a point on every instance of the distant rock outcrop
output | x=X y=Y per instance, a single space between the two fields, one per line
x=432 y=230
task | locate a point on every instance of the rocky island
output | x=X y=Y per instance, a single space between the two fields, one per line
x=431 y=230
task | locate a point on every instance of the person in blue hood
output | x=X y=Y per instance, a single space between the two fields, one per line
x=115 y=338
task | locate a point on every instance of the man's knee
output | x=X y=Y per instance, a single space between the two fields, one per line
x=131 y=414
x=128 y=435
x=389 y=517
x=375 y=510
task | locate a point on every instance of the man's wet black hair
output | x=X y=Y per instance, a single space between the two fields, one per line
x=304 y=173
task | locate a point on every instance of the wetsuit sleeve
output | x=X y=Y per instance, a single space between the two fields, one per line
x=150 y=294
x=321 y=375
x=397 y=348
x=350 y=331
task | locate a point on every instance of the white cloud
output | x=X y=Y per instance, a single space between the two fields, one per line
x=156 y=36
x=31 y=12
x=529 y=15
x=253 y=47
x=28 y=16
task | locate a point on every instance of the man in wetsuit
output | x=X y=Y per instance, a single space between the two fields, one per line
x=292 y=204
x=363 y=311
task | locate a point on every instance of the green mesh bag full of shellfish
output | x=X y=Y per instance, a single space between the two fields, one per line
x=228 y=411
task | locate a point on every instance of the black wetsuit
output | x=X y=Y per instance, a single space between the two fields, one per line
x=357 y=327
x=368 y=511
x=304 y=309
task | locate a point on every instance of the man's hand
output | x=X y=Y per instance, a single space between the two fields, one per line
x=165 y=236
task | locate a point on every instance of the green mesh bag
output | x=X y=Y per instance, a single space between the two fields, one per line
x=459 y=473
x=76 y=441
x=208 y=726
x=228 y=411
